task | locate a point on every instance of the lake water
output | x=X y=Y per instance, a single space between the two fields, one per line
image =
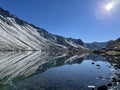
x=51 y=71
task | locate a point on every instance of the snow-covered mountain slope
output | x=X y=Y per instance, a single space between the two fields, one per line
x=16 y=34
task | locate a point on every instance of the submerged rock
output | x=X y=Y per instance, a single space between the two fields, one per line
x=114 y=80
x=103 y=87
x=109 y=84
x=98 y=65
x=93 y=63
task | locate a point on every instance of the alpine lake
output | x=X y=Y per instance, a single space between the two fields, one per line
x=54 y=71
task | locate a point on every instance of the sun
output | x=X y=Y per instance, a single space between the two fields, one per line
x=109 y=6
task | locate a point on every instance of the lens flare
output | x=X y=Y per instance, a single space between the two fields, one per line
x=109 y=6
x=105 y=9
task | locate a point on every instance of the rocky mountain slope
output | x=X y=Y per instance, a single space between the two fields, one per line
x=16 y=34
x=114 y=45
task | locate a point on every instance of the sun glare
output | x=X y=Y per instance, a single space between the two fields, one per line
x=109 y=6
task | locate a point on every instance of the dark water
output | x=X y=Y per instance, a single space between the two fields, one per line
x=50 y=71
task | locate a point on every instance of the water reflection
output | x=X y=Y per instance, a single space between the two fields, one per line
x=17 y=64
x=54 y=71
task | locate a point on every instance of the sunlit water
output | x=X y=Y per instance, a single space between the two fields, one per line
x=46 y=71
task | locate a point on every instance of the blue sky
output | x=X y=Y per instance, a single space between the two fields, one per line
x=82 y=19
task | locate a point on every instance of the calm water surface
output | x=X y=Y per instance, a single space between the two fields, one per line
x=46 y=71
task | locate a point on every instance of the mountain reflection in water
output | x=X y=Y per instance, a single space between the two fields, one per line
x=54 y=71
